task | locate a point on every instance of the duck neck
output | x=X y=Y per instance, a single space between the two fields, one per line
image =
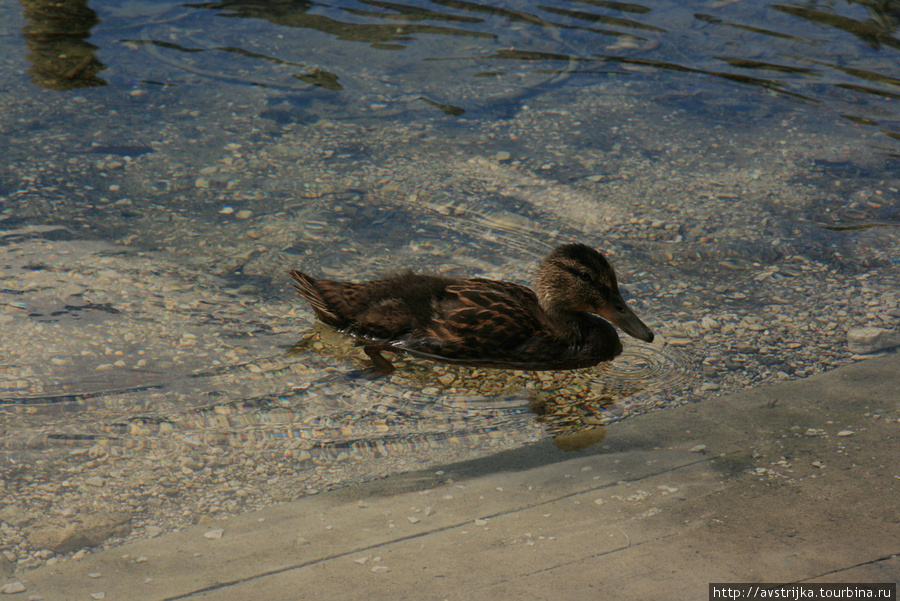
x=567 y=323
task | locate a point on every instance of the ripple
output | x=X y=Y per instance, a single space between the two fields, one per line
x=649 y=365
x=646 y=375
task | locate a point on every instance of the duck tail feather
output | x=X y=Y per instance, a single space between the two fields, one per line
x=307 y=288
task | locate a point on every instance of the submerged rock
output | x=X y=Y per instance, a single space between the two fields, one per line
x=863 y=341
x=62 y=536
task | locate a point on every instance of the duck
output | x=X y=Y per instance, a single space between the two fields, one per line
x=565 y=323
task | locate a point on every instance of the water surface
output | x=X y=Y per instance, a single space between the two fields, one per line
x=165 y=164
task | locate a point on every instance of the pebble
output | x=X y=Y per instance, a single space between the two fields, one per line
x=700 y=448
x=214 y=534
x=380 y=569
x=846 y=433
x=708 y=323
x=11 y=588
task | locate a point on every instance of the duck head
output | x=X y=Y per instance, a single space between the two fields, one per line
x=576 y=278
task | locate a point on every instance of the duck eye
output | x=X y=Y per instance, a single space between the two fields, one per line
x=584 y=277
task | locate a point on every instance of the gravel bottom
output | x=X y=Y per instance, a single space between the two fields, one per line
x=147 y=325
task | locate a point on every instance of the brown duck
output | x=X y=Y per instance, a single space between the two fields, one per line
x=482 y=322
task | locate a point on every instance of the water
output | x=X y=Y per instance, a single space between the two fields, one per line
x=165 y=164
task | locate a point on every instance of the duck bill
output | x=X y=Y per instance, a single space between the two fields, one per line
x=619 y=314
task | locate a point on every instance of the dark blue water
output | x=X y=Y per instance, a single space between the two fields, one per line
x=460 y=58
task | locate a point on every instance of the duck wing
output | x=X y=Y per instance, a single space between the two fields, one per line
x=386 y=309
x=480 y=320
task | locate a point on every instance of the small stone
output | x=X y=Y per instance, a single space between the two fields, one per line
x=708 y=323
x=362 y=560
x=481 y=522
x=818 y=464
x=76 y=301
x=244 y=214
x=81 y=531
x=846 y=433
x=15 y=515
x=214 y=534
x=413 y=519
x=202 y=182
x=94 y=575
x=95 y=481
x=502 y=156
x=226 y=211
x=380 y=569
x=700 y=448
x=153 y=531
x=98 y=595
x=30 y=562
x=11 y=588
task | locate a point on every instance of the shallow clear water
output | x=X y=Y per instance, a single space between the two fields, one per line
x=165 y=164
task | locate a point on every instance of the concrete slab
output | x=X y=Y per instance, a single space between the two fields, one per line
x=792 y=483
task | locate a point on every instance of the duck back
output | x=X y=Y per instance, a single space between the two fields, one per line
x=381 y=309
